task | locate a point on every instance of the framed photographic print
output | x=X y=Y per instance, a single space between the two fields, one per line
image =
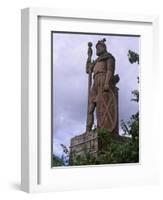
x=86 y=96
x=78 y=102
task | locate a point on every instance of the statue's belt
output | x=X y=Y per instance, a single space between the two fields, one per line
x=99 y=73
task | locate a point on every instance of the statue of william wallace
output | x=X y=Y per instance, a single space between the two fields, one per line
x=102 y=93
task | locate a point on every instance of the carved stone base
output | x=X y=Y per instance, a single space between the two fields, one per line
x=89 y=144
x=81 y=145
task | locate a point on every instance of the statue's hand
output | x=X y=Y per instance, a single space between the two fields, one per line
x=89 y=66
x=106 y=87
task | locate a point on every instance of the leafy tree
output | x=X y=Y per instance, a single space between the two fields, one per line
x=63 y=160
x=57 y=161
x=133 y=57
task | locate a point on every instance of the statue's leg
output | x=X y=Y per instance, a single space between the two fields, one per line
x=90 y=119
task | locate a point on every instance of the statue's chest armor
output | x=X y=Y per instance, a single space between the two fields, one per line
x=100 y=67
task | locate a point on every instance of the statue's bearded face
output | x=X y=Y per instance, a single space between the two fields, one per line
x=100 y=49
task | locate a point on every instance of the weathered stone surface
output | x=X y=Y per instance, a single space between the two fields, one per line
x=83 y=144
x=102 y=93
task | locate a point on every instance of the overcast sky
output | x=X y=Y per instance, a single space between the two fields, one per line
x=70 y=81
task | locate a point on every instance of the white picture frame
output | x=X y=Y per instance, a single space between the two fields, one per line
x=36 y=171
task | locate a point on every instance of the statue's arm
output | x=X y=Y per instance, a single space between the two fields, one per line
x=109 y=73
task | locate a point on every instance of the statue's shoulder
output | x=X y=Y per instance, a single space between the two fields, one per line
x=105 y=57
x=110 y=56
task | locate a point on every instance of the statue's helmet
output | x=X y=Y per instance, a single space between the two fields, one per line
x=102 y=43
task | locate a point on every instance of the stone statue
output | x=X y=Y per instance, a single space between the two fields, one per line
x=102 y=93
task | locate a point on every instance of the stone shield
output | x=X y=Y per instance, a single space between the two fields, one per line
x=106 y=110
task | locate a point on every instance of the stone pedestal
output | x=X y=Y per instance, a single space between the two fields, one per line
x=81 y=145
x=89 y=144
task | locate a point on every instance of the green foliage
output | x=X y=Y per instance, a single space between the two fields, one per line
x=133 y=57
x=63 y=160
x=113 y=150
x=57 y=161
x=136 y=95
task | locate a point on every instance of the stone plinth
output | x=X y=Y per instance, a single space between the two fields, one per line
x=83 y=144
x=89 y=144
